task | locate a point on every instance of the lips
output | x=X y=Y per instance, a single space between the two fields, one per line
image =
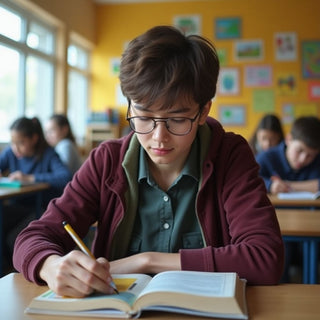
x=161 y=151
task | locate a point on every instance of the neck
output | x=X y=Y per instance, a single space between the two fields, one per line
x=165 y=174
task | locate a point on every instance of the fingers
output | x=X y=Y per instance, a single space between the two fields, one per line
x=78 y=275
x=278 y=185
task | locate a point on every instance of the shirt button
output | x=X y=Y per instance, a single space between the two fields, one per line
x=165 y=198
x=166 y=226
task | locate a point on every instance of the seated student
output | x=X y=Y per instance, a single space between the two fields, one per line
x=294 y=165
x=178 y=192
x=29 y=158
x=60 y=136
x=268 y=134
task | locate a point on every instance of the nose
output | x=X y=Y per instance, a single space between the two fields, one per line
x=160 y=132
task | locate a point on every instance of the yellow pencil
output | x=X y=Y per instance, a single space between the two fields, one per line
x=82 y=246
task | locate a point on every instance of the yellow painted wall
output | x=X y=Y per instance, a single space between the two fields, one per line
x=119 y=23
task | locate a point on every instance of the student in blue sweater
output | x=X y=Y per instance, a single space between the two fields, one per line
x=29 y=158
x=294 y=165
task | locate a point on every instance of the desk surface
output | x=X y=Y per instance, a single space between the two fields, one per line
x=299 y=222
x=285 y=301
x=293 y=203
x=6 y=192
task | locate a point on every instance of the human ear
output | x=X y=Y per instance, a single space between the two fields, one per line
x=204 y=113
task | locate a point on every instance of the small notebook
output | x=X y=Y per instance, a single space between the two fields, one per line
x=299 y=195
x=6 y=182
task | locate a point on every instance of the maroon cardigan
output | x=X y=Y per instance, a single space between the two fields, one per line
x=238 y=222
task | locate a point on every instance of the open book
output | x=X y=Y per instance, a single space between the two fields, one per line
x=208 y=294
x=299 y=195
x=6 y=182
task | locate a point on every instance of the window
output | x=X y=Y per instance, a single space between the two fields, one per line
x=27 y=67
x=78 y=90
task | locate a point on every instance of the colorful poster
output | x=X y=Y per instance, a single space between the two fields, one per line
x=311 y=59
x=232 y=115
x=314 y=90
x=258 y=76
x=115 y=66
x=222 y=55
x=286 y=83
x=248 y=50
x=228 y=81
x=287 y=114
x=228 y=28
x=285 y=46
x=188 y=24
x=263 y=100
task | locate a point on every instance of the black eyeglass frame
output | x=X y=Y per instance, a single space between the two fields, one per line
x=165 y=120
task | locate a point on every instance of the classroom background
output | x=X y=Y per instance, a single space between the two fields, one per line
x=269 y=52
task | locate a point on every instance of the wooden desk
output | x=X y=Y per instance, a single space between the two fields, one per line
x=294 y=203
x=303 y=225
x=8 y=193
x=285 y=301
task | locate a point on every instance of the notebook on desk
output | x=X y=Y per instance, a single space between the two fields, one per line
x=6 y=182
x=299 y=195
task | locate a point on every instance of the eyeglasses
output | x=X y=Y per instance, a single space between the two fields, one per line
x=178 y=126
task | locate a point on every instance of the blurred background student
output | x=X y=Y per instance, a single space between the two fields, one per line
x=268 y=133
x=294 y=164
x=29 y=158
x=60 y=136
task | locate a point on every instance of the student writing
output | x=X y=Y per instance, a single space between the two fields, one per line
x=294 y=165
x=178 y=192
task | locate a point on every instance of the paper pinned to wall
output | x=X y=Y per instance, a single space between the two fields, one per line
x=263 y=100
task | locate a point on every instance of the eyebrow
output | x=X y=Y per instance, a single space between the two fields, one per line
x=180 y=110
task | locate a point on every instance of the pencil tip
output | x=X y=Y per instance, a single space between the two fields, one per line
x=64 y=223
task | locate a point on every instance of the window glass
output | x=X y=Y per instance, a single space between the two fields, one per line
x=77 y=57
x=27 y=68
x=9 y=88
x=9 y=18
x=39 y=84
x=40 y=38
x=78 y=104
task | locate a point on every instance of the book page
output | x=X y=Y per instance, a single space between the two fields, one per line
x=195 y=283
x=128 y=285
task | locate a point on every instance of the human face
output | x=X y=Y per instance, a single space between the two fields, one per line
x=53 y=133
x=164 y=148
x=298 y=154
x=267 y=139
x=21 y=145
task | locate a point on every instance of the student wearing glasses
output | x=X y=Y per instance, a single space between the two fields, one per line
x=178 y=192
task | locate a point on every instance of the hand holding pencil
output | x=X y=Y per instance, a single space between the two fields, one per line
x=83 y=247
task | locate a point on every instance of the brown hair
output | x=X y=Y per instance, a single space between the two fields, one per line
x=307 y=130
x=163 y=64
x=62 y=121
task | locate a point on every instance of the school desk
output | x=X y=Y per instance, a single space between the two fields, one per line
x=303 y=225
x=9 y=193
x=284 y=301
x=296 y=203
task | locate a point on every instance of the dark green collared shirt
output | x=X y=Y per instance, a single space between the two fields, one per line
x=166 y=221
